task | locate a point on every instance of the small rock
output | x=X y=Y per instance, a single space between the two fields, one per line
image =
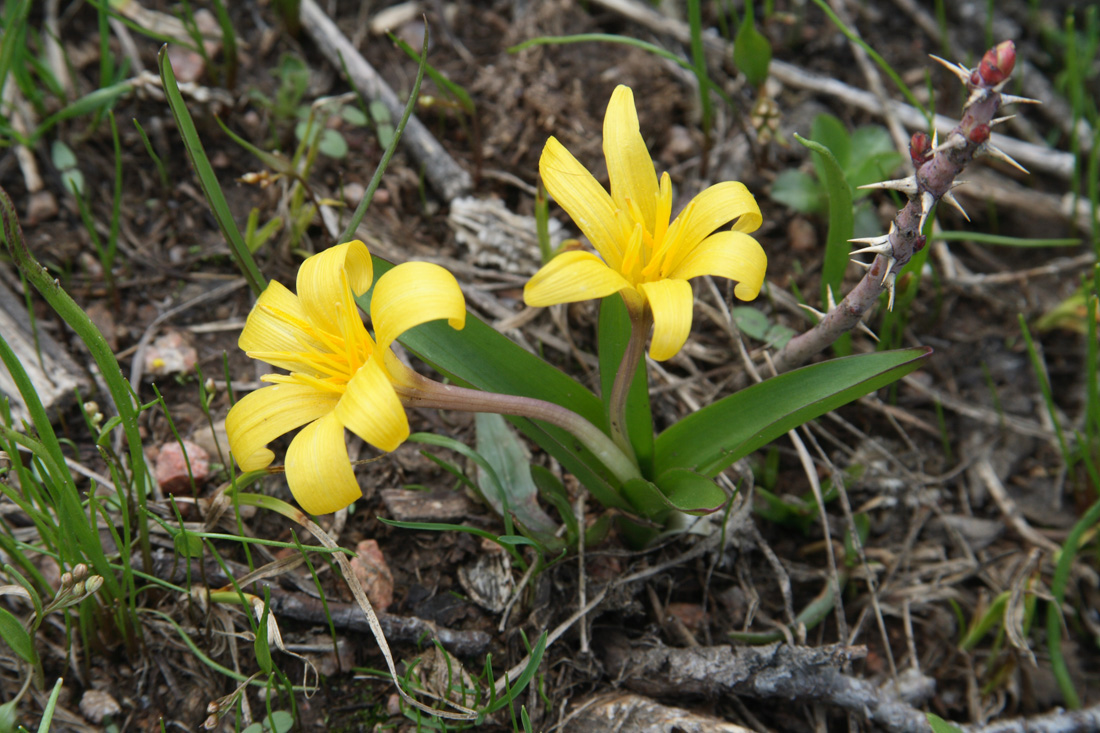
x=353 y=193
x=171 y=468
x=97 y=705
x=42 y=206
x=209 y=439
x=374 y=574
x=690 y=614
x=170 y=354
x=802 y=235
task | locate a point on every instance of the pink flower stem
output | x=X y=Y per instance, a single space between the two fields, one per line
x=416 y=390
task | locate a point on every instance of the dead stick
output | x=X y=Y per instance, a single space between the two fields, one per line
x=445 y=175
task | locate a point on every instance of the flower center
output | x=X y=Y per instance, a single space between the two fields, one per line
x=324 y=360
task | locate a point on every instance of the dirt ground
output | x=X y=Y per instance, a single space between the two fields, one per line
x=957 y=470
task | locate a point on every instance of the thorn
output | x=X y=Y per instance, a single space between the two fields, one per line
x=1013 y=99
x=992 y=151
x=955 y=141
x=864 y=328
x=957 y=69
x=878 y=245
x=927 y=201
x=976 y=96
x=890 y=262
x=908 y=186
x=811 y=309
x=950 y=198
x=935 y=138
x=864 y=265
x=891 y=287
x=1001 y=120
x=885 y=249
x=956 y=184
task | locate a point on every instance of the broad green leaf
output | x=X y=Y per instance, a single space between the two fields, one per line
x=795 y=189
x=614 y=333
x=833 y=134
x=188 y=544
x=333 y=144
x=751 y=322
x=63 y=156
x=939 y=725
x=713 y=438
x=873 y=157
x=499 y=446
x=480 y=357
x=692 y=492
x=17 y=637
x=841 y=221
x=751 y=52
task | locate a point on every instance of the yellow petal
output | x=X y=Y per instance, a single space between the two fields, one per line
x=370 y=408
x=583 y=198
x=628 y=163
x=717 y=205
x=671 y=302
x=324 y=280
x=318 y=470
x=571 y=277
x=413 y=293
x=277 y=324
x=261 y=416
x=731 y=255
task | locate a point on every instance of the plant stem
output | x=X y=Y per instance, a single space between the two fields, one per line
x=416 y=390
x=640 y=321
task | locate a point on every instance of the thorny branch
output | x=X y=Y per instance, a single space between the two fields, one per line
x=937 y=169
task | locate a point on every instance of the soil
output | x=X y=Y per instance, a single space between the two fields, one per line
x=940 y=547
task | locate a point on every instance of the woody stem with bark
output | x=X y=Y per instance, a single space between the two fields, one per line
x=937 y=168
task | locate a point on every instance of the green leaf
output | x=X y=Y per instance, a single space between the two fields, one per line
x=480 y=357
x=841 y=221
x=939 y=725
x=63 y=156
x=51 y=707
x=750 y=321
x=208 y=181
x=17 y=637
x=873 y=157
x=831 y=132
x=797 y=190
x=263 y=649
x=333 y=144
x=188 y=544
x=711 y=439
x=280 y=721
x=522 y=681
x=614 y=333
x=499 y=446
x=752 y=53
x=692 y=492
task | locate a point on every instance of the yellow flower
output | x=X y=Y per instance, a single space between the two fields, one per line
x=641 y=254
x=339 y=376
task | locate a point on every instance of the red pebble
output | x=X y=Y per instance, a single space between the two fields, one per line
x=920 y=148
x=171 y=468
x=979 y=134
x=997 y=64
